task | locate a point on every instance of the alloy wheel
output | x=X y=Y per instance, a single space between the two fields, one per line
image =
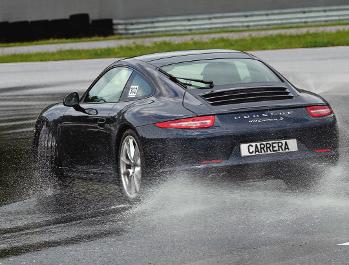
x=130 y=167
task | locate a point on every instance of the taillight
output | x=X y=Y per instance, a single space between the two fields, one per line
x=215 y=161
x=189 y=123
x=323 y=150
x=319 y=111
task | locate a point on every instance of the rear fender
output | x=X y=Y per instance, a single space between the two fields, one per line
x=160 y=109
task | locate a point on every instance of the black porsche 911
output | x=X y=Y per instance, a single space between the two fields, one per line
x=188 y=110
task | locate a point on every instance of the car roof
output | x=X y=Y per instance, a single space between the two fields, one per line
x=167 y=58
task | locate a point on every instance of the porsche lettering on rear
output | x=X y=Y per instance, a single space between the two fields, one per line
x=268 y=116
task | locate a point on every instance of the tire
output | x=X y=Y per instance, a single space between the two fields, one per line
x=40 y=29
x=47 y=159
x=80 y=24
x=5 y=31
x=19 y=31
x=102 y=27
x=61 y=28
x=131 y=167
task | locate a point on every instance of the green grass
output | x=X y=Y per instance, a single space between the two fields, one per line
x=307 y=40
x=118 y=37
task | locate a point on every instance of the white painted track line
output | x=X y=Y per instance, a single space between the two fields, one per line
x=343 y=244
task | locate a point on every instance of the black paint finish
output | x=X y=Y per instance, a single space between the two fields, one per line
x=89 y=141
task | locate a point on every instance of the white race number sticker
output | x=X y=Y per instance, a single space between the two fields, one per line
x=133 y=91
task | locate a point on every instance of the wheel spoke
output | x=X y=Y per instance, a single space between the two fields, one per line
x=127 y=176
x=125 y=159
x=137 y=178
x=132 y=185
x=128 y=151
x=136 y=182
x=137 y=172
x=137 y=157
x=132 y=149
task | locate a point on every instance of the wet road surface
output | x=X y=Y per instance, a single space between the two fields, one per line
x=185 y=220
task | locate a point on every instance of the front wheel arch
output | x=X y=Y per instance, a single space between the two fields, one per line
x=48 y=162
x=40 y=123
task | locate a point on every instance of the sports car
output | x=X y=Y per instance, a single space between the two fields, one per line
x=182 y=111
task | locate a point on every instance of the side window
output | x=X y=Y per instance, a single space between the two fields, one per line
x=138 y=88
x=110 y=86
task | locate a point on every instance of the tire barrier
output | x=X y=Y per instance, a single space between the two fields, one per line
x=102 y=27
x=19 y=31
x=80 y=25
x=60 y=28
x=77 y=25
x=40 y=29
x=4 y=31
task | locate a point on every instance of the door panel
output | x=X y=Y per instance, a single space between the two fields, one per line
x=87 y=138
x=86 y=135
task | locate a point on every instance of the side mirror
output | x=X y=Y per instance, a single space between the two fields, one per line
x=71 y=100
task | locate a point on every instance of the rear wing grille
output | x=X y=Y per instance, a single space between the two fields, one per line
x=245 y=95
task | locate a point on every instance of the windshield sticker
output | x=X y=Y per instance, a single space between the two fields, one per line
x=133 y=91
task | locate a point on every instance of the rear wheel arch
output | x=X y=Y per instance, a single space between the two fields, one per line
x=118 y=137
x=123 y=128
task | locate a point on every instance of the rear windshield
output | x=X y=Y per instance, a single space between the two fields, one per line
x=223 y=71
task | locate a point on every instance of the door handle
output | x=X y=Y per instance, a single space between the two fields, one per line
x=101 y=122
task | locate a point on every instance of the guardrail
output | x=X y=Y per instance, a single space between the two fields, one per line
x=231 y=20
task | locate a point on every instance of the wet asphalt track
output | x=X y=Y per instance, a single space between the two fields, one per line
x=184 y=221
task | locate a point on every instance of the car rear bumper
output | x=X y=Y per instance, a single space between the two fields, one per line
x=219 y=146
x=281 y=160
x=202 y=150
